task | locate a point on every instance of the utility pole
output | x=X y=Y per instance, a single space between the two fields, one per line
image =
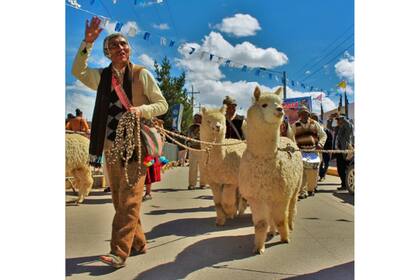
x=284 y=85
x=192 y=92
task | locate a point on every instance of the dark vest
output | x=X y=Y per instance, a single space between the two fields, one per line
x=237 y=122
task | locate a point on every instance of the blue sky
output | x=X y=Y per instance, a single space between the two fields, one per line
x=312 y=40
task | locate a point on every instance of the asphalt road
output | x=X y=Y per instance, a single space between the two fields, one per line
x=184 y=243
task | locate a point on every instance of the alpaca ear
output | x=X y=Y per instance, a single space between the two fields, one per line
x=223 y=109
x=257 y=93
x=279 y=91
x=203 y=110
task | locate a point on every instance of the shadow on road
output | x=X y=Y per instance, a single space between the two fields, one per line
x=343 y=272
x=170 y=190
x=85 y=264
x=346 y=197
x=183 y=210
x=196 y=226
x=202 y=254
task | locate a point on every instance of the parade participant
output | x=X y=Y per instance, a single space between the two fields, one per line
x=78 y=123
x=194 y=156
x=344 y=138
x=308 y=135
x=326 y=157
x=148 y=101
x=234 y=122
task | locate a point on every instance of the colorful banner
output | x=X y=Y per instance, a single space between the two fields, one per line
x=291 y=107
x=177 y=116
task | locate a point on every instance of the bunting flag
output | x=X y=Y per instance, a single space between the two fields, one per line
x=211 y=56
x=118 y=26
x=171 y=43
x=244 y=68
x=319 y=97
x=342 y=84
x=227 y=63
x=132 y=31
x=146 y=36
x=322 y=113
x=162 y=41
x=192 y=50
x=74 y=4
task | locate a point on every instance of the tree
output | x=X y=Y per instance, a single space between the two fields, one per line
x=173 y=90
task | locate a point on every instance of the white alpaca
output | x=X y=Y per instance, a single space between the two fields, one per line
x=77 y=164
x=269 y=179
x=221 y=165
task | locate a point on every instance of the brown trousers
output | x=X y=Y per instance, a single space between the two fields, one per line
x=127 y=232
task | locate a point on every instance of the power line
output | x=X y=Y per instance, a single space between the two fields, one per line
x=331 y=44
x=320 y=68
x=330 y=52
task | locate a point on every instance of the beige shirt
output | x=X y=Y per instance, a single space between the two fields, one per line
x=91 y=77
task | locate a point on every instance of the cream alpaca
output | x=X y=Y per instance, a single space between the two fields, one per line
x=77 y=164
x=269 y=179
x=221 y=166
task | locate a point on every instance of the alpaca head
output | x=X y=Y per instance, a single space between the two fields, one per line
x=213 y=123
x=267 y=107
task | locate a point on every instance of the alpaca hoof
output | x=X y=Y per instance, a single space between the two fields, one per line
x=283 y=241
x=259 y=251
x=220 y=222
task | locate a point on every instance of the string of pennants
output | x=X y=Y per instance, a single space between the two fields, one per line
x=222 y=61
x=258 y=71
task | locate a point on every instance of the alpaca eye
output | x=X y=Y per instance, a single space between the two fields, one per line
x=264 y=105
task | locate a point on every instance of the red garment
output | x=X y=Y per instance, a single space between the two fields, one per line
x=153 y=172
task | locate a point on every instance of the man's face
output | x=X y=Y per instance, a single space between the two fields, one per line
x=119 y=50
x=197 y=119
x=231 y=108
x=303 y=116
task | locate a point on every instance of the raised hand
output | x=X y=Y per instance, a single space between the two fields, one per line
x=92 y=30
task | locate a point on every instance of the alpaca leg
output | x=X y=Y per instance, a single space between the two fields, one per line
x=229 y=200
x=217 y=198
x=260 y=220
x=293 y=208
x=281 y=220
x=83 y=181
x=272 y=230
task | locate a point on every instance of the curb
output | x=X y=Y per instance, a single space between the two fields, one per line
x=332 y=171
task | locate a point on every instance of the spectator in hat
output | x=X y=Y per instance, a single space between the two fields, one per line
x=234 y=122
x=343 y=139
x=78 y=123
x=308 y=134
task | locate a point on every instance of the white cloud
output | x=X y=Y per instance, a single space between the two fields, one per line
x=150 y=3
x=147 y=61
x=239 y=25
x=82 y=97
x=198 y=66
x=345 y=67
x=130 y=28
x=213 y=92
x=161 y=26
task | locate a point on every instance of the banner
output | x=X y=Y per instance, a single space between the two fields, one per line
x=177 y=110
x=291 y=107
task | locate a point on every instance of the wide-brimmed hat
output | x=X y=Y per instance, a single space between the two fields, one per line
x=229 y=101
x=302 y=109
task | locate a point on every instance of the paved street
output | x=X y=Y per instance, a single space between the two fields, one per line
x=184 y=243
